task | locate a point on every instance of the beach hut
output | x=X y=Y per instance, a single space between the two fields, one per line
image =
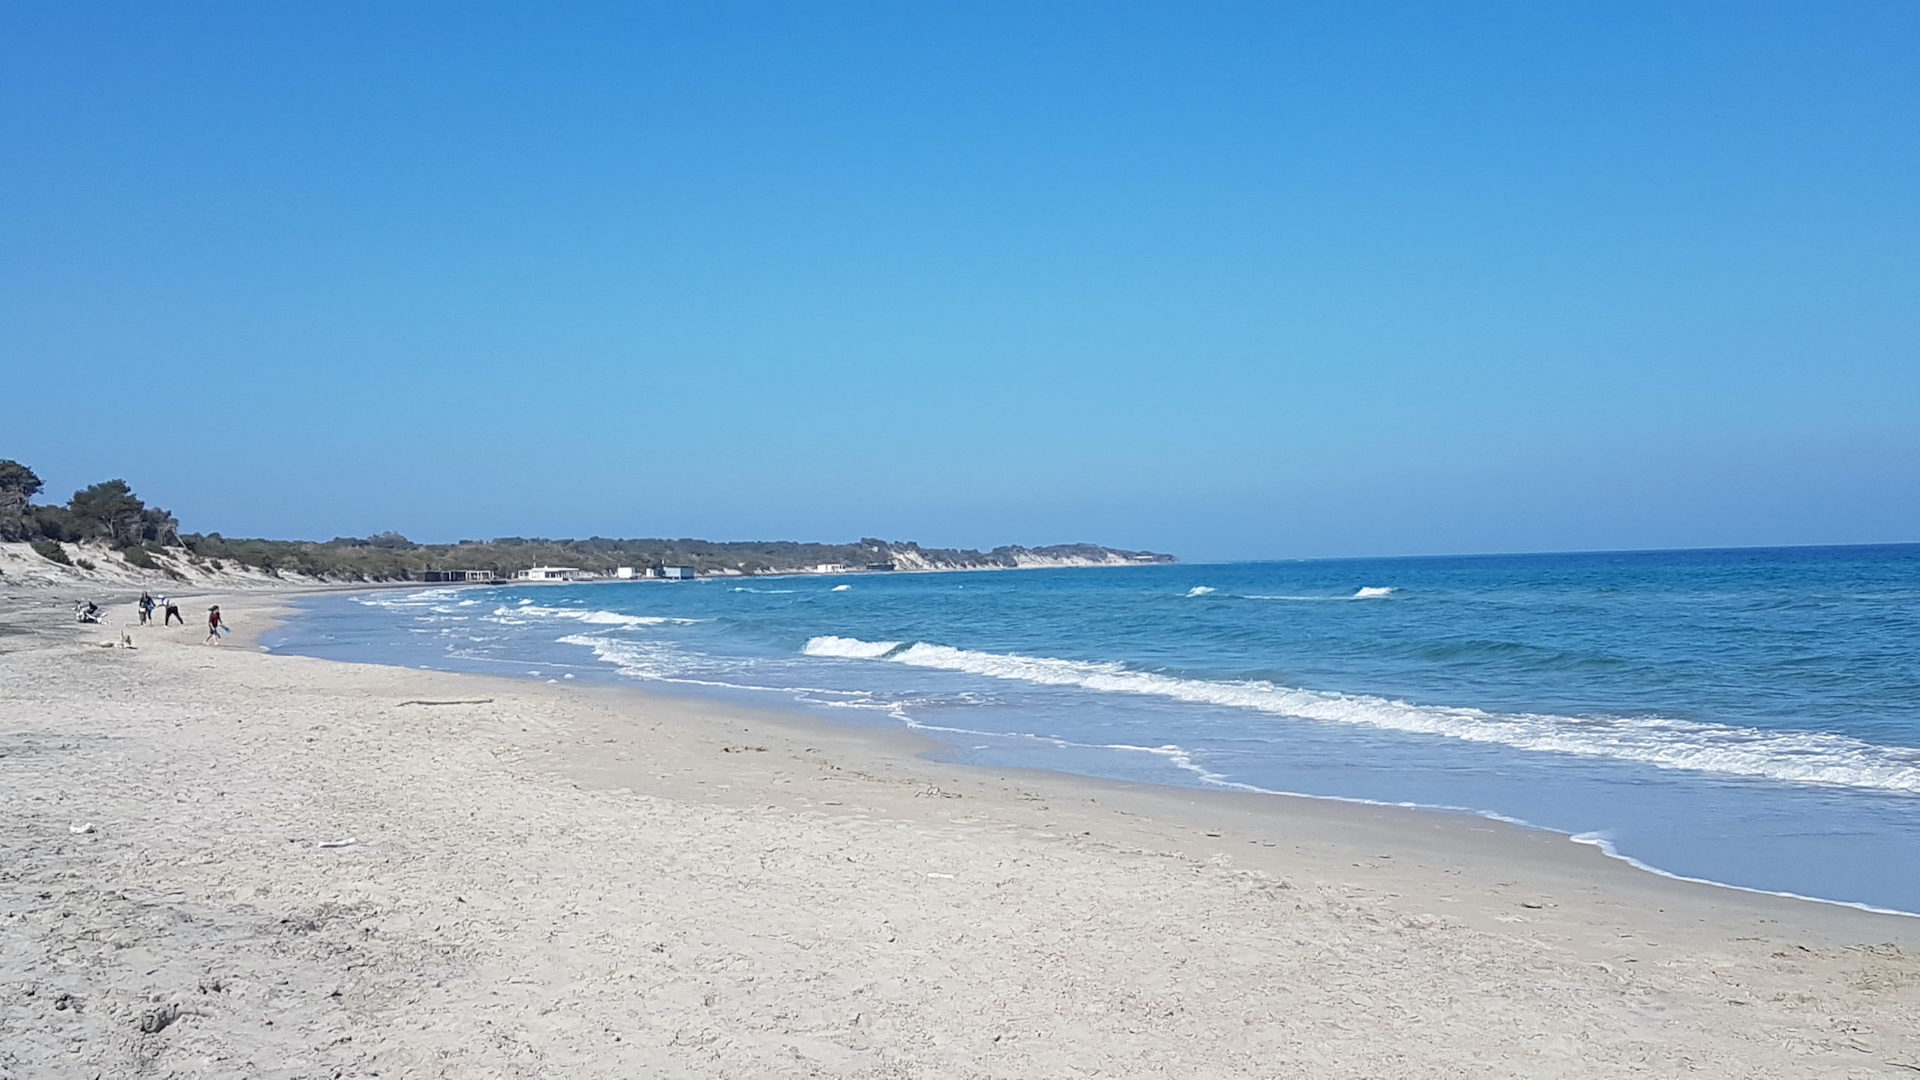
x=469 y=577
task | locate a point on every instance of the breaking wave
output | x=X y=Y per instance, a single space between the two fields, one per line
x=662 y=662
x=1200 y=590
x=848 y=648
x=1795 y=757
x=588 y=615
x=1370 y=592
x=400 y=601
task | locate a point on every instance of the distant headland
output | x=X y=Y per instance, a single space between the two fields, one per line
x=106 y=530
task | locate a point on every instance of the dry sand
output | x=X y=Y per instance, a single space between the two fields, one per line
x=218 y=862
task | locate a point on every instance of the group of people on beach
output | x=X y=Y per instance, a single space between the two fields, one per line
x=148 y=605
x=171 y=609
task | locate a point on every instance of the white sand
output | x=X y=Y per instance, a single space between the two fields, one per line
x=563 y=881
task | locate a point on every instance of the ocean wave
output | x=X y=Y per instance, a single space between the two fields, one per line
x=1201 y=590
x=763 y=592
x=660 y=662
x=848 y=648
x=396 y=601
x=1795 y=757
x=1369 y=593
x=840 y=588
x=589 y=615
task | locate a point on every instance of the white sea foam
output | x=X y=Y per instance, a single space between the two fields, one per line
x=1798 y=757
x=589 y=615
x=662 y=662
x=849 y=648
x=401 y=601
x=1362 y=594
x=1200 y=590
x=840 y=588
x=1604 y=842
x=763 y=592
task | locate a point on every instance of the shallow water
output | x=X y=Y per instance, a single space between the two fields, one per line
x=1750 y=717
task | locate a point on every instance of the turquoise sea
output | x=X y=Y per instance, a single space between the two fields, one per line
x=1750 y=717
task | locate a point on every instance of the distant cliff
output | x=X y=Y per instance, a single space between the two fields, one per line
x=911 y=556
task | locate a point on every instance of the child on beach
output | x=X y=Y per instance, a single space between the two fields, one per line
x=213 y=625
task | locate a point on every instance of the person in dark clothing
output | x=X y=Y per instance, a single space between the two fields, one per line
x=146 y=609
x=213 y=625
x=173 y=612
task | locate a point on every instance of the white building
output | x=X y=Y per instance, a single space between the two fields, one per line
x=677 y=573
x=830 y=568
x=624 y=573
x=549 y=573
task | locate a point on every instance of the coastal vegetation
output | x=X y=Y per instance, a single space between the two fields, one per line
x=391 y=557
x=110 y=513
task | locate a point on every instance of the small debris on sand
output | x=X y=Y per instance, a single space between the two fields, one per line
x=156 y=1019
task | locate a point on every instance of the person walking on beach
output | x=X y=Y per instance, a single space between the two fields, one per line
x=146 y=609
x=213 y=625
x=173 y=612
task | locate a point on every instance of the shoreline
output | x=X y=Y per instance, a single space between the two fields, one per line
x=1191 y=806
x=365 y=867
x=927 y=749
x=1575 y=856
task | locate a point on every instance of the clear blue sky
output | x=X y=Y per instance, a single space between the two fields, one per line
x=1231 y=280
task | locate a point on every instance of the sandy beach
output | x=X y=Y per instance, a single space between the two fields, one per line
x=220 y=862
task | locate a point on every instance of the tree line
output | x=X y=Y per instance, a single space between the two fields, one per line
x=108 y=511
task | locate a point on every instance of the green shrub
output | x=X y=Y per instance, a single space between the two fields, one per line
x=53 y=523
x=52 y=552
x=84 y=564
x=140 y=557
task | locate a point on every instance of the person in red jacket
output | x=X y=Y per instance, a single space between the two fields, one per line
x=213 y=625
